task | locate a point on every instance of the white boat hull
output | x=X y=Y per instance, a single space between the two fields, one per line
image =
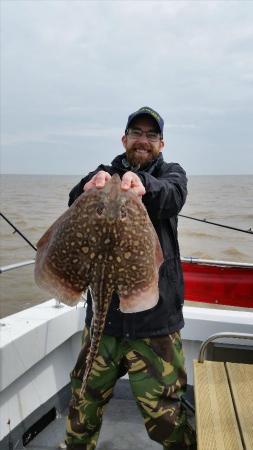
x=39 y=347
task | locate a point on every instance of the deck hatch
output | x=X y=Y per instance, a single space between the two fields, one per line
x=38 y=426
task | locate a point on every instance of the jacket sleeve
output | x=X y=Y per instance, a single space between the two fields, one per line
x=78 y=189
x=165 y=195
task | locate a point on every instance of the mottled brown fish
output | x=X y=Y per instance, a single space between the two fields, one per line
x=104 y=241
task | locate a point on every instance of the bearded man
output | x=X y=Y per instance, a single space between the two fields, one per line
x=145 y=344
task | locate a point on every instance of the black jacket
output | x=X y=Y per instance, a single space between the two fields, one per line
x=166 y=190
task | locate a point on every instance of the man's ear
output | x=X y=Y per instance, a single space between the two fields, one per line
x=161 y=145
x=123 y=140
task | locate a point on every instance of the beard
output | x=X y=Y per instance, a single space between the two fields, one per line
x=141 y=155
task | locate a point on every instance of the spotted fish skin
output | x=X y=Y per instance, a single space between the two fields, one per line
x=104 y=241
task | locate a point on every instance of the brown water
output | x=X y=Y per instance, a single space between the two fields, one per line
x=33 y=202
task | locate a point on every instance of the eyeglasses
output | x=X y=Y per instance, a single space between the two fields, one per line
x=136 y=133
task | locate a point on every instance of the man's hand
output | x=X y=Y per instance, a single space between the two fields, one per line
x=97 y=181
x=131 y=181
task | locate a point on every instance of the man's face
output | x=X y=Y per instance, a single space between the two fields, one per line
x=140 y=150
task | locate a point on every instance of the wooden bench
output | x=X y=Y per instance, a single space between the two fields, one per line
x=223 y=405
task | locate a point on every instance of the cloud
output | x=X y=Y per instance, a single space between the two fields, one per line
x=75 y=70
x=60 y=135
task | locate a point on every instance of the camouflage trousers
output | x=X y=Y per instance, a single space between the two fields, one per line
x=157 y=377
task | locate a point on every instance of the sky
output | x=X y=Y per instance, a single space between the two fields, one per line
x=72 y=71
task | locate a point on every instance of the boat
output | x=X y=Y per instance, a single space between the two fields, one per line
x=39 y=347
x=218 y=282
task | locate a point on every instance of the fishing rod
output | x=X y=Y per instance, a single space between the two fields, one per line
x=16 y=230
x=250 y=231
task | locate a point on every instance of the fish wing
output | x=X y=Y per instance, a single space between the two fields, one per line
x=138 y=258
x=64 y=253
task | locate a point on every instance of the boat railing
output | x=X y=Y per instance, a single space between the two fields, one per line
x=16 y=265
x=225 y=335
x=186 y=259
x=213 y=262
x=206 y=281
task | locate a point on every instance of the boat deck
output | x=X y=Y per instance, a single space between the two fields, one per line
x=123 y=427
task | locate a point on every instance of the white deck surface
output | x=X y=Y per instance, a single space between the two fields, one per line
x=122 y=429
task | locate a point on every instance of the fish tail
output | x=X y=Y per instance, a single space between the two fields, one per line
x=98 y=327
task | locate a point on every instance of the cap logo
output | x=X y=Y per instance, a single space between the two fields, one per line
x=150 y=111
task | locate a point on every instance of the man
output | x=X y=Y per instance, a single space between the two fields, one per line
x=146 y=344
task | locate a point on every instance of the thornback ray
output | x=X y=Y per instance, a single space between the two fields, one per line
x=104 y=241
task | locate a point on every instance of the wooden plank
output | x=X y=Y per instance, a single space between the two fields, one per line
x=241 y=383
x=217 y=428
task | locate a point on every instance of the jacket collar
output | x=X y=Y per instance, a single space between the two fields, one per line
x=120 y=163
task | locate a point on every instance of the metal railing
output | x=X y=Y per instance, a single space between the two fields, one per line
x=213 y=337
x=213 y=262
x=17 y=265
x=187 y=259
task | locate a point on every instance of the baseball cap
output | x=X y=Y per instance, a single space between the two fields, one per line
x=150 y=112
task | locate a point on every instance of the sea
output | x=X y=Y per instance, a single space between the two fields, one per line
x=33 y=202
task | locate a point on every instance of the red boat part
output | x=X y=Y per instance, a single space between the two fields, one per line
x=219 y=284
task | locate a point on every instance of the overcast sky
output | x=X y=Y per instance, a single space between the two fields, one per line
x=72 y=71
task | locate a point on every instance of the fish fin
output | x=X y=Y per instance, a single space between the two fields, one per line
x=57 y=286
x=158 y=252
x=45 y=238
x=62 y=268
x=138 y=287
x=141 y=299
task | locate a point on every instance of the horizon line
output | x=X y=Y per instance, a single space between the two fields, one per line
x=81 y=175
